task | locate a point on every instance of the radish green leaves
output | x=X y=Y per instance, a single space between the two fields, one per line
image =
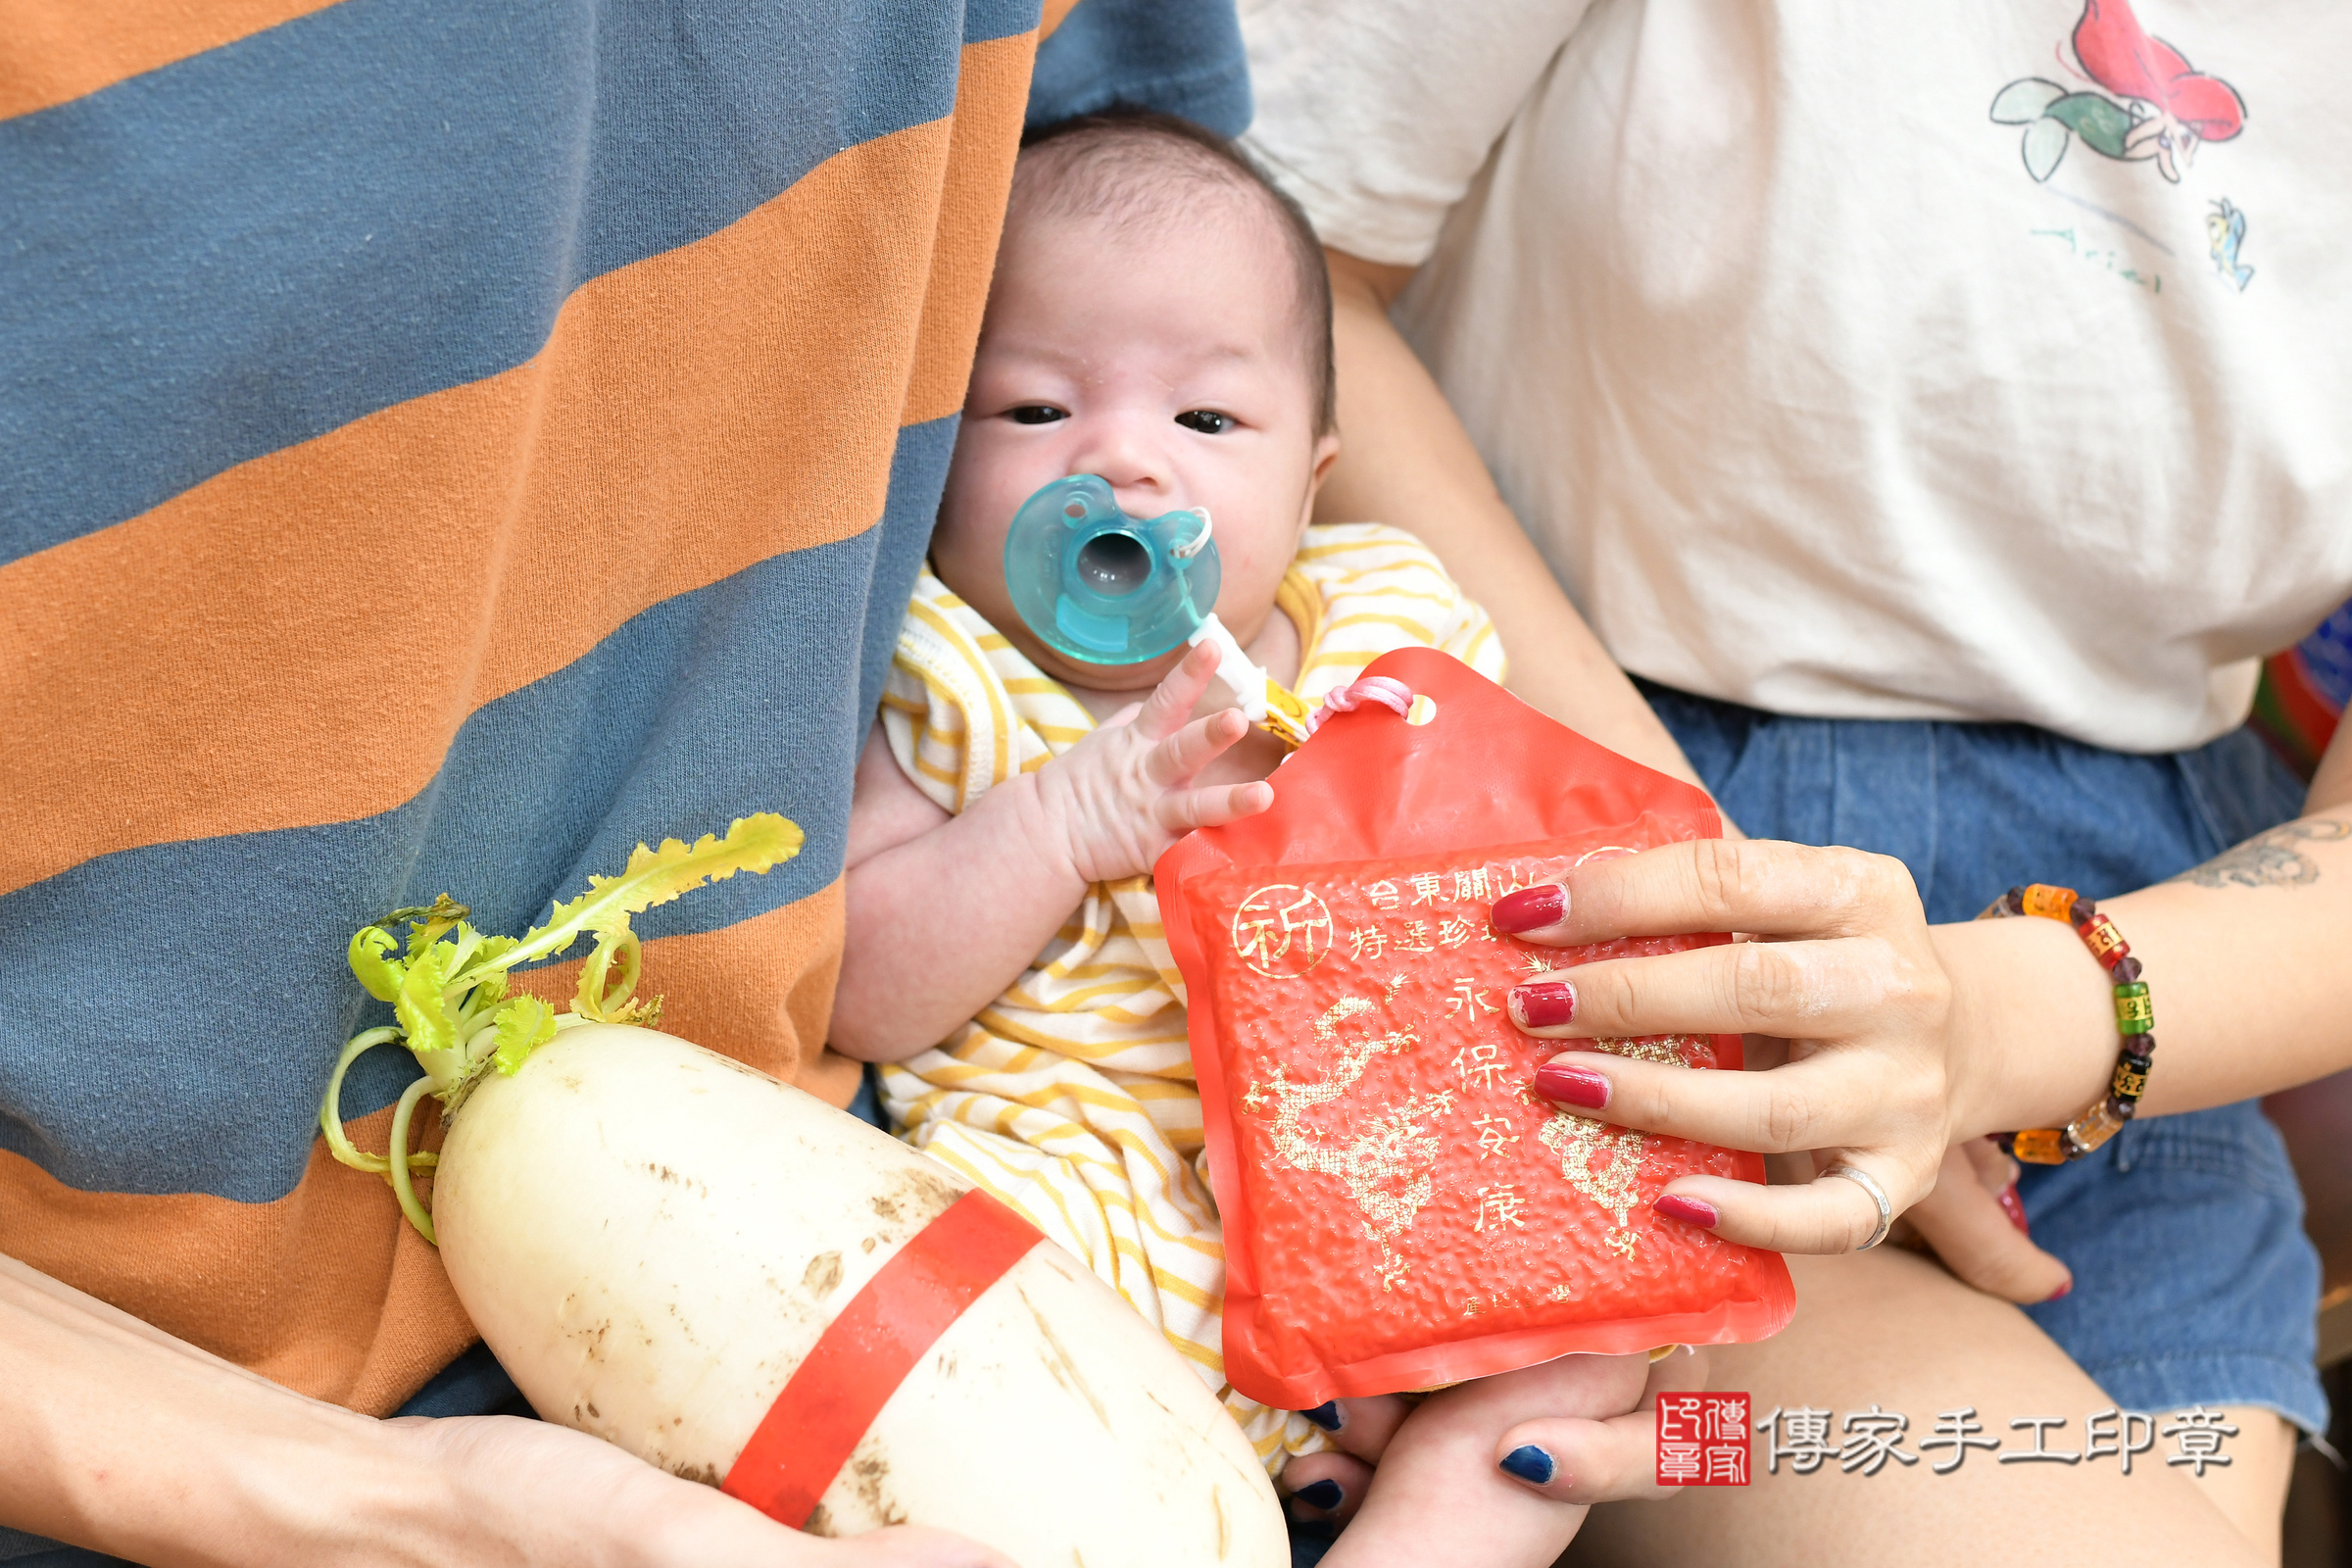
x=446 y=983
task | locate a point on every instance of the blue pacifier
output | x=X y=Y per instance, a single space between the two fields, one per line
x=1103 y=587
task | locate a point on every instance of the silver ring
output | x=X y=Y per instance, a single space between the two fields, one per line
x=1878 y=1194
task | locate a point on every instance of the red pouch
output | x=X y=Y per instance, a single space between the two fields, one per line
x=1399 y=1209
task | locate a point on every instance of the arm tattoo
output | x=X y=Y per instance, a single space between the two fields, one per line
x=2268 y=860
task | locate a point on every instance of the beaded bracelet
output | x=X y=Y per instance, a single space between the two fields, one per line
x=2135 y=1021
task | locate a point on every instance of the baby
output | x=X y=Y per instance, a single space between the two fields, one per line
x=1159 y=317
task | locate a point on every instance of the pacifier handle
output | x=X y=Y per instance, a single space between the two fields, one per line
x=1188 y=551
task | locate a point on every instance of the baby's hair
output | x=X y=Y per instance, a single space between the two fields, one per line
x=1126 y=163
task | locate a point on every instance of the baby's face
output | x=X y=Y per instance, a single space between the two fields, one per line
x=1168 y=360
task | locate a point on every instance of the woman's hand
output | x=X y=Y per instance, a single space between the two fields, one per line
x=1840 y=966
x=1976 y=1227
x=126 y=1441
x=531 y=1493
x=1606 y=1459
x=1590 y=1459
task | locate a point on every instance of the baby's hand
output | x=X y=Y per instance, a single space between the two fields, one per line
x=1117 y=800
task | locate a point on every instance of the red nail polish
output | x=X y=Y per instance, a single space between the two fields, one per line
x=1546 y=1005
x=2060 y=1291
x=1572 y=1086
x=2015 y=1208
x=1530 y=908
x=1690 y=1210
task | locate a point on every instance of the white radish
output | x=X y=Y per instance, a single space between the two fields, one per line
x=653 y=1239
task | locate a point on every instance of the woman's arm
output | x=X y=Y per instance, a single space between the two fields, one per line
x=1911 y=1037
x=2244 y=957
x=123 y=1440
x=1409 y=462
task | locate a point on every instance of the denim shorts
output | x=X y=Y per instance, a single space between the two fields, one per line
x=2195 y=1283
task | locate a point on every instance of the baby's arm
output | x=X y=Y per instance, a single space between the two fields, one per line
x=945 y=911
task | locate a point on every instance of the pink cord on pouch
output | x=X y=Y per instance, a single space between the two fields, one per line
x=1382 y=689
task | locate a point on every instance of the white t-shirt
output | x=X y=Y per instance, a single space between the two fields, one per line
x=1833 y=363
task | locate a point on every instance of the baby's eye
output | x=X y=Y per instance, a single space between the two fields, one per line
x=1208 y=422
x=1036 y=414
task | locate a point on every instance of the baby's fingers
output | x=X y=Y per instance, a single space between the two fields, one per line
x=1182 y=755
x=1182 y=811
x=1178 y=694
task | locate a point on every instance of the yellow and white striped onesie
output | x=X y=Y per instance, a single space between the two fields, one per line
x=1072 y=1095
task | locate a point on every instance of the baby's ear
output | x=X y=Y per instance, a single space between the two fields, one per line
x=1327 y=452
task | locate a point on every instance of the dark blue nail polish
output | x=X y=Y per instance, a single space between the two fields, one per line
x=1530 y=1464
x=1323 y=1495
x=1325 y=1415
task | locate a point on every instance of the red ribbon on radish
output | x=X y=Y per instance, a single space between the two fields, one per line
x=858 y=1363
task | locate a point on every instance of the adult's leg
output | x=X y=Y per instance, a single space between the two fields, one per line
x=2252 y=1492
x=1893 y=1330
